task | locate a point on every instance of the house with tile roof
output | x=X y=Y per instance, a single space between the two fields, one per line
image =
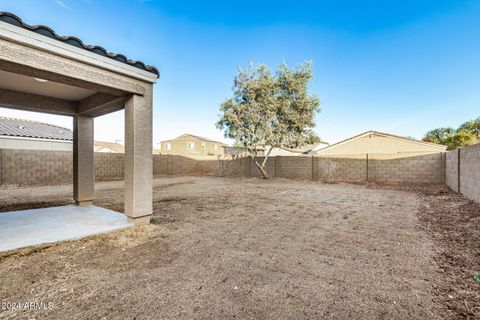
x=192 y=145
x=33 y=135
x=380 y=143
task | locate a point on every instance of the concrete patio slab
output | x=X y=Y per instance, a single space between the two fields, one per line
x=32 y=227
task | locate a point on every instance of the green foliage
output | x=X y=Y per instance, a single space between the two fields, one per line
x=461 y=139
x=439 y=135
x=472 y=126
x=466 y=134
x=267 y=109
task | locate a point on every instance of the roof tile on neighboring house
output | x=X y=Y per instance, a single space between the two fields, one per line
x=33 y=129
x=74 y=41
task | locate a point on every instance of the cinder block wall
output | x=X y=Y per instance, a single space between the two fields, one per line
x=470 y=172
x=109 y=166
x=235 y=168
x=32 y=167
x=160 y=165
x=293 y=167
x=333 y=169
x=466 y=161
x=428 y=169
x=269 y=167
x=46 y=167
x=451 y=170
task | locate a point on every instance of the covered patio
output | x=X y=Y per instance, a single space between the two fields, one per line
x=43 y=72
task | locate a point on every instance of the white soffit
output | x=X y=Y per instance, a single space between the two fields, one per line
x=17 y=82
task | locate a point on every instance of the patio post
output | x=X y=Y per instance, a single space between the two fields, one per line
x=138 y=157
x=83 y=160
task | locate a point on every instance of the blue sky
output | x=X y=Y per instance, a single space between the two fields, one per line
x=402 y=67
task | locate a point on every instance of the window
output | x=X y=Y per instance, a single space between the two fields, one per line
x=190 y=146
x=215 y=147
x=167 y=146
x=203 y=145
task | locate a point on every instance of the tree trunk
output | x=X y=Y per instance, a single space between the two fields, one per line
x=261 y=168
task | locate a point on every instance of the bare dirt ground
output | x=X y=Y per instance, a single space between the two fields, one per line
x=453 y=222
x=252 y=249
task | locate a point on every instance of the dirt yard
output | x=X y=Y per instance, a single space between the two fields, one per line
x=223 y=248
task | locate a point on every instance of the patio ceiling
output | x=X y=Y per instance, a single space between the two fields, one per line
x=27 y=84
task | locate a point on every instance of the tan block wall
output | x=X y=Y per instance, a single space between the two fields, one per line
x=160 y=165
x=470 y=172
x=465 y=160
x=451 y=170
x=349 y=170
x=109 y=166
x=45 y=167
x=27 y=167
x=178 y=165
x=253 y=170
x=235 y=168
x=293 y=167
x=429 y=169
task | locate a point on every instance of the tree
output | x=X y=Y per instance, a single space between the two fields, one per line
x=461 y=139
x=472 y=126
x=466 y=134
x=270 y=110
x=439 y=135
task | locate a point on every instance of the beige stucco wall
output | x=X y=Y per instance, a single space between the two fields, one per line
x=178 y=146
x=377 y=144
x=284 y=152
x=34 y=144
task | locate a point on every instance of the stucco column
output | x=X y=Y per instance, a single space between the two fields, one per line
x=138 y=157
x=83 y=160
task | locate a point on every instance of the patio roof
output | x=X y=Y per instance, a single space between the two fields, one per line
x=74 y=41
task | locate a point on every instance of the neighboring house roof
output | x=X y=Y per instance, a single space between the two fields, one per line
x=240 y=148
x=439 y=146
x=306 y=149
x=102 y=146
x=74 y=41
x=33 y=129
x=198 y=137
